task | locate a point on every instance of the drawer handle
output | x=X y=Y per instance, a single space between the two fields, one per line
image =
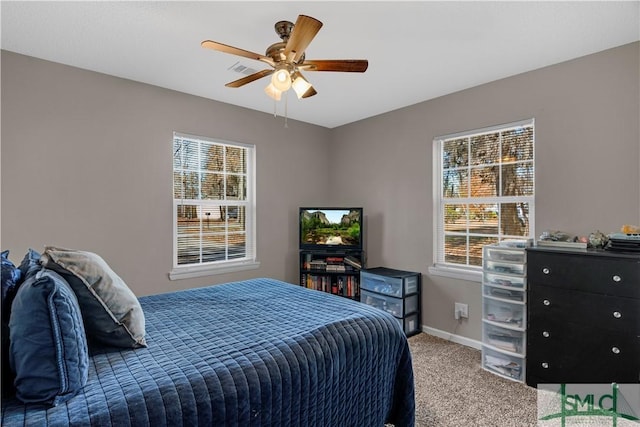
x=546 y=270
x=545 y=334
x=617 y=278
x=615 y=350
x=545 y=365
x=546 y=302
x=617 y=314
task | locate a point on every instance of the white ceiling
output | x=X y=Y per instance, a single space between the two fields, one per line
x=417 y=50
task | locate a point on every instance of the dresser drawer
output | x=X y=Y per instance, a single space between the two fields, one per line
x=557 y=307
x=609 y=275
x=582 y=358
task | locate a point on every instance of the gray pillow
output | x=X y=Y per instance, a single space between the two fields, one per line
x=48 y=350
x=112 y=314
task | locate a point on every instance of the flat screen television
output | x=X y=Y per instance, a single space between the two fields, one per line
x=337 y=228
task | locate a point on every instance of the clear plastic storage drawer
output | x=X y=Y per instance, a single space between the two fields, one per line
x=504 y=313
x=504 y=267
x=503 y=280
x=387 y=281
x=503 y=364
x=410 y=324
x=504 y=292
x=504 y=339
x=396 y=306
x=496 y=253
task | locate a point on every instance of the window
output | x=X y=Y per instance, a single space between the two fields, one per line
x=213 y=206
x=483 y=194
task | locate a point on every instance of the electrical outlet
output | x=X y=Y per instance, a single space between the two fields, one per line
x=461 y=310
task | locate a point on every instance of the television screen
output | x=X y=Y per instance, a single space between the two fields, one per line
x=331 y=228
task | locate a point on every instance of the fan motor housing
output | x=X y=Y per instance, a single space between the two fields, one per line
x=276 y=51
x=283 y=29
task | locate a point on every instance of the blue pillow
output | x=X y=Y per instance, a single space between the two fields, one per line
x=30 y=264
x=10 y=280
x=48 y=350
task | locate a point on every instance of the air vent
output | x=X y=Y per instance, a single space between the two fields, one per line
x=242 y=69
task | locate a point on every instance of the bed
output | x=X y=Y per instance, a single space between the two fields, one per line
x=259 y=352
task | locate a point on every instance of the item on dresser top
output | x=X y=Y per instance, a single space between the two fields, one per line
x=630 y=229
x=597 y=240
x=560 y=239
x=624 y=242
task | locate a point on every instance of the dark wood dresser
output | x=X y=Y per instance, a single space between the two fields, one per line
x=583 y=316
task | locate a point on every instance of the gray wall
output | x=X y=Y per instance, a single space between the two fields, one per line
x=587 y=155
x=86 y=163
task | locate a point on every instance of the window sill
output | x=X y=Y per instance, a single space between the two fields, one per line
x=201 y=271
x=456 y=273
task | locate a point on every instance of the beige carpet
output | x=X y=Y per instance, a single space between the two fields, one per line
x=452 y=389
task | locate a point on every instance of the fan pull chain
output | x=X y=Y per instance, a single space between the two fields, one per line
x=286 y=97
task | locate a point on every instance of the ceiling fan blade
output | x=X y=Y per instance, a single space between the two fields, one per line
x=345 y=65
x=304 y=30
x=209 y=44
x=253 y=77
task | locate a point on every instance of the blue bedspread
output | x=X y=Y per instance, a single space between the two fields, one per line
x=253 y=353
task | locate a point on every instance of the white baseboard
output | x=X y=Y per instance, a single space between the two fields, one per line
x=452 y=337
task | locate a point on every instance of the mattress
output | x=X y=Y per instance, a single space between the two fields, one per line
x=259 y=352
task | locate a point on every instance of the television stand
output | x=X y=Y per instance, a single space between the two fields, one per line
x=332 y=270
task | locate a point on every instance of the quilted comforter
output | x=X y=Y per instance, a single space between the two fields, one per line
x=254 y=353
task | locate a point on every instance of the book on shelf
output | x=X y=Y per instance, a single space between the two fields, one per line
x=342 y=282
x=318 y=264
x=353 y=262
x=352 y=288
x=307 y=261
x=335 y=264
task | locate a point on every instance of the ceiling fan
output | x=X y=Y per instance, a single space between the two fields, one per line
x=287 y=59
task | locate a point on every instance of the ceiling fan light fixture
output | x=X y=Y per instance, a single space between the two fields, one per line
x=281 y=79
x=300 y=85
x=273 y=92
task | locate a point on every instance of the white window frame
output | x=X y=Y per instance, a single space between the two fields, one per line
x=456 y=271
x=227 y=266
